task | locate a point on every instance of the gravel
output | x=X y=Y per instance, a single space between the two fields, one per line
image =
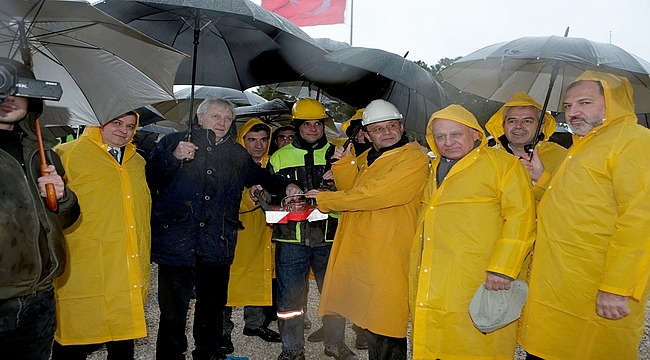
x=254 y=348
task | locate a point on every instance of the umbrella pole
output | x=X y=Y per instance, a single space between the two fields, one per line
x=531 y=147
x=197 y=32
x=52 y=202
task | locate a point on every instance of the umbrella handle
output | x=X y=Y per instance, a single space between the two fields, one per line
x=51 y=201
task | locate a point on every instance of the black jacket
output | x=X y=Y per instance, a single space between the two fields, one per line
x=196 y=212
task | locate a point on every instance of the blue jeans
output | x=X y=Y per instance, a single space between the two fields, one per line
x=175 y=286
x=27 y=326
x=292 y=263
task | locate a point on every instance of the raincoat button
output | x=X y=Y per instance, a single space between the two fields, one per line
x=207 y=197
x=550 y=187
x=201 y=224
x=421 y=304
x=431 y=207
x=353 y=162
x=131 y=226
x=128 y=196
x=165 y=226
x=570 y=156
x=428 y=239
x=209 y=148
x=135 y=286
x=209 y=172
x=425 y=270
x=132 y=256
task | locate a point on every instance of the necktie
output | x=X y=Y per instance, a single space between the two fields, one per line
x=115 y=153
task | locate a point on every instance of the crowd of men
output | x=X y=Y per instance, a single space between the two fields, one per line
x=409 y=233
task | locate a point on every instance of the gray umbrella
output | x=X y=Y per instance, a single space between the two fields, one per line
x=179 y=110
x=359 y=75
x=498 y=71
x=104 y=66
x=235 y=43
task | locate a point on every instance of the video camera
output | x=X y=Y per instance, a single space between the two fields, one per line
x=12 y=84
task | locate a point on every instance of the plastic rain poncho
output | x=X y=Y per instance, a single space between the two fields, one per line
x=593 y=235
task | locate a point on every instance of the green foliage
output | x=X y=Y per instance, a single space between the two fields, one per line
x=270 y=94
x=482 y=108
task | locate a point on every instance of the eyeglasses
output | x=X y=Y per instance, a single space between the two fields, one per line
x=285 y=137
x=381 y=129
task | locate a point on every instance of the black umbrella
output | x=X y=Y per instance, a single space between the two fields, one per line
x=534 y=64
x=359 y=75
x=235 y=43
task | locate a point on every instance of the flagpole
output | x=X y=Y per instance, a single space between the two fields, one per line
x=351 y=19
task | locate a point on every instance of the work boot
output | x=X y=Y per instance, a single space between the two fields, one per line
x=265 y=334
x=361 y=342
x=292 y=355
x=340 y=351
x=306 y=324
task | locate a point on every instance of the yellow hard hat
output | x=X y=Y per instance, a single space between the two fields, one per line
x=308 y=109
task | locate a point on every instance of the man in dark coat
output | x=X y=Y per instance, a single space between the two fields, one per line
x=31 y=236
x=194 y=225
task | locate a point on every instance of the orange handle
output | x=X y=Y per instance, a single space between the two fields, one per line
x=50 y=200
x=52 y=203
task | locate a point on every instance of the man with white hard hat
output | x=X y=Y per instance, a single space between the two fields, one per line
x=367 y=275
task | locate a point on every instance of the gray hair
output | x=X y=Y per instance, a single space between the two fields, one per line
x=211 y=100
x=538 y=112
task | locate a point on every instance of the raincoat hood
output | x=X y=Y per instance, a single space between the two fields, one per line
x=618 y=94
x=494 y=126
x=246 y=128
x=458 y=114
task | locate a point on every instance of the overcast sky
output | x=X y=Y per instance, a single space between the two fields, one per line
x=433 y=29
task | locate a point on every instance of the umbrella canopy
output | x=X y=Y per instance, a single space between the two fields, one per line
x=359 y=75
x=498 y=71
x=240 y=44
x=179 y=110
x=105 y=67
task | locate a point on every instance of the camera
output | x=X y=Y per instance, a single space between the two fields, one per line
x=12 y=84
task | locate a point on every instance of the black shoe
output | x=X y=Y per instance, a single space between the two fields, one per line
x=361 y=343
x=265 y=334
x=292 y=355
x=340 y=351
x=317 y=336
x=306 y=324
x=201 y=355
x=226 y=344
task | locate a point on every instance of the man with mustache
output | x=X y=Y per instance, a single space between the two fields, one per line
x=588 y=280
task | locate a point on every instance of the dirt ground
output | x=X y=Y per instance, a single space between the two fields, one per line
x=253 y=348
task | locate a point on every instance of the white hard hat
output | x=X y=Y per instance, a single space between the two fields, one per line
x=380 y=110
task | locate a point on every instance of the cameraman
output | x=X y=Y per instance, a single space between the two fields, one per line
x=31 y=236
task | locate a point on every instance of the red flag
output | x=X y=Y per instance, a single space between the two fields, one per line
x=308 y=12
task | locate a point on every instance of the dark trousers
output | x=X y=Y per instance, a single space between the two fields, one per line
x=117 y=350
x=27 y=326
x=175 y=286
x=292 y=263
x=385 y=348
x=532 y=357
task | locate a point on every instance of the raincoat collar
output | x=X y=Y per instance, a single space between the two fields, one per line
x=246 y=128
x=618 y=97
x=494 y=126
x=459 y=114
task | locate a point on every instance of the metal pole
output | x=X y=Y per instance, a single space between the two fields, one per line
x=197 y=32
x=351 y=19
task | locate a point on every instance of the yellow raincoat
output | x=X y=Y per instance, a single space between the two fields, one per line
x=252 y=269
x=100 y=297
x=593 y=234
x=550 y=153
x=480 y=219
x=367 y=272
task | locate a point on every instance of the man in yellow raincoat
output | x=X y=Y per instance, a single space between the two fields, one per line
x=100 y=297
x=588 y=283
x=475 y=226
x=514 y=126
x=251 y=272
x=367 y=276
